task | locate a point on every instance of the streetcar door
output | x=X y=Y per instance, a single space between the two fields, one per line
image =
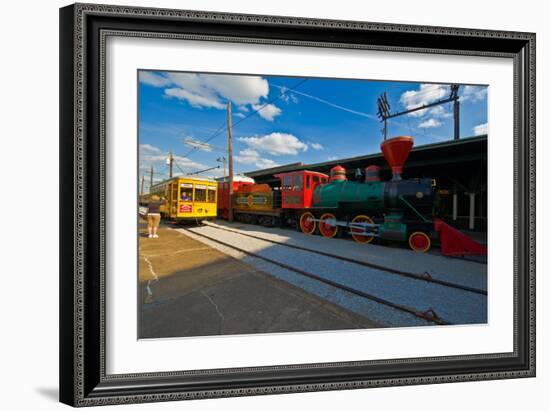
x=174 y=200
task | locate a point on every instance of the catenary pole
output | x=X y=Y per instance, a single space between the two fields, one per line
x=230 y=158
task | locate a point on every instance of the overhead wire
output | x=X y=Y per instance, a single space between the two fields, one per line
x=177 y=165
x=329 y=103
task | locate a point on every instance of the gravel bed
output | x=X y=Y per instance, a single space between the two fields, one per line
x=454 y=270
x=384 y=315
x=453 y=305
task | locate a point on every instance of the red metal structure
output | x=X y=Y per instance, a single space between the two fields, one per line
x=456 y=243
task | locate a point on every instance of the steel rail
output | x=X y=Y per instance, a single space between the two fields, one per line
x=428 y=315
x=423 y=277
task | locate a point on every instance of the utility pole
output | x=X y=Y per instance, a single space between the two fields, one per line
x=456 y=110
x=230 y=155
x=170 y=162
x=151 y=179
x=384 y=110
x=142 y=185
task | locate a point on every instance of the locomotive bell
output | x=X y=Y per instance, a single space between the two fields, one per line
x=396 y=150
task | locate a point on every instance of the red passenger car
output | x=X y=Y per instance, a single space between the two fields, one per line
x=223 y=192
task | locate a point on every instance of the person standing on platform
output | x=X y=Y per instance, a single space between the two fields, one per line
x=153 y=215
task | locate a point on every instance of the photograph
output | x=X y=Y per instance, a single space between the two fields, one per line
x=256 y=204
x=284 y=204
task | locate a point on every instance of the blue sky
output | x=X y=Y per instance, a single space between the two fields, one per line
x=282 y=120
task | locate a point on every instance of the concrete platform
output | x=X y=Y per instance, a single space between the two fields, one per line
x=190 y=289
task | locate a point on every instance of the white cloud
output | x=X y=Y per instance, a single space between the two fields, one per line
x=152 y=79
x=267 y=111
x=317 y=146
x=151 y=156
x=431 y=123
x=213 y=90
x=287 y=97
x=474 y=93
x=240 y=115
x=239 y=89
x=196 y=100
x=426 y=94
x=148 y=149
x=250 y=156
x=197 y=144
x=438 y=111
x=480 y=129
x=330 y=158
x=275 y=144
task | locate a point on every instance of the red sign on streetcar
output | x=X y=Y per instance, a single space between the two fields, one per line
x=186 y=208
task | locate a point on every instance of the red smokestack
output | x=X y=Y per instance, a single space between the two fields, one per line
x=396 y=150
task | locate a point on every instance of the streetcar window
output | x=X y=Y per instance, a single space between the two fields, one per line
x=287 y=182
x=200 y=193
x=315 y=180
x=186 y=193
x=298 y=182
x=308 y=182
x=211 y=195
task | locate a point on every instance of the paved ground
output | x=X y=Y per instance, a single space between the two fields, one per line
x=455 y=270
x=189 y=289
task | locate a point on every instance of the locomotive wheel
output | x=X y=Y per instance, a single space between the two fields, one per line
x=307 y=225
x=361 y=238
x=327 y=230
x=419 y=242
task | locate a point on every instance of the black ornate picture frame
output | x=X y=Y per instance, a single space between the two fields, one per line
x=83 y=32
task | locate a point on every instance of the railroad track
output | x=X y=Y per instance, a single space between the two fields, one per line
x=429 y=315
x=417 y=276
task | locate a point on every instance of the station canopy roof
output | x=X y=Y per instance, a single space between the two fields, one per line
x=444 y=153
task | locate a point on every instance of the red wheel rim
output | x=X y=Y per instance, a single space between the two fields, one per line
x=307 y=225
x=419 y=242
x=361 y=238
x=327 y=230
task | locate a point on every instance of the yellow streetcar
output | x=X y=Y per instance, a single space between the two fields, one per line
x=186 y=198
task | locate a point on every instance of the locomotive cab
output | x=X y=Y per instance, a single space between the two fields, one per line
x=298 y=186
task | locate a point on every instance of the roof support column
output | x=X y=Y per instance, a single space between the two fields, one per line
x=472 y=210
x=455 y=204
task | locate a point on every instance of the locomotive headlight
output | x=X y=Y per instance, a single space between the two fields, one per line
x=419 y=194
x=434 y=183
